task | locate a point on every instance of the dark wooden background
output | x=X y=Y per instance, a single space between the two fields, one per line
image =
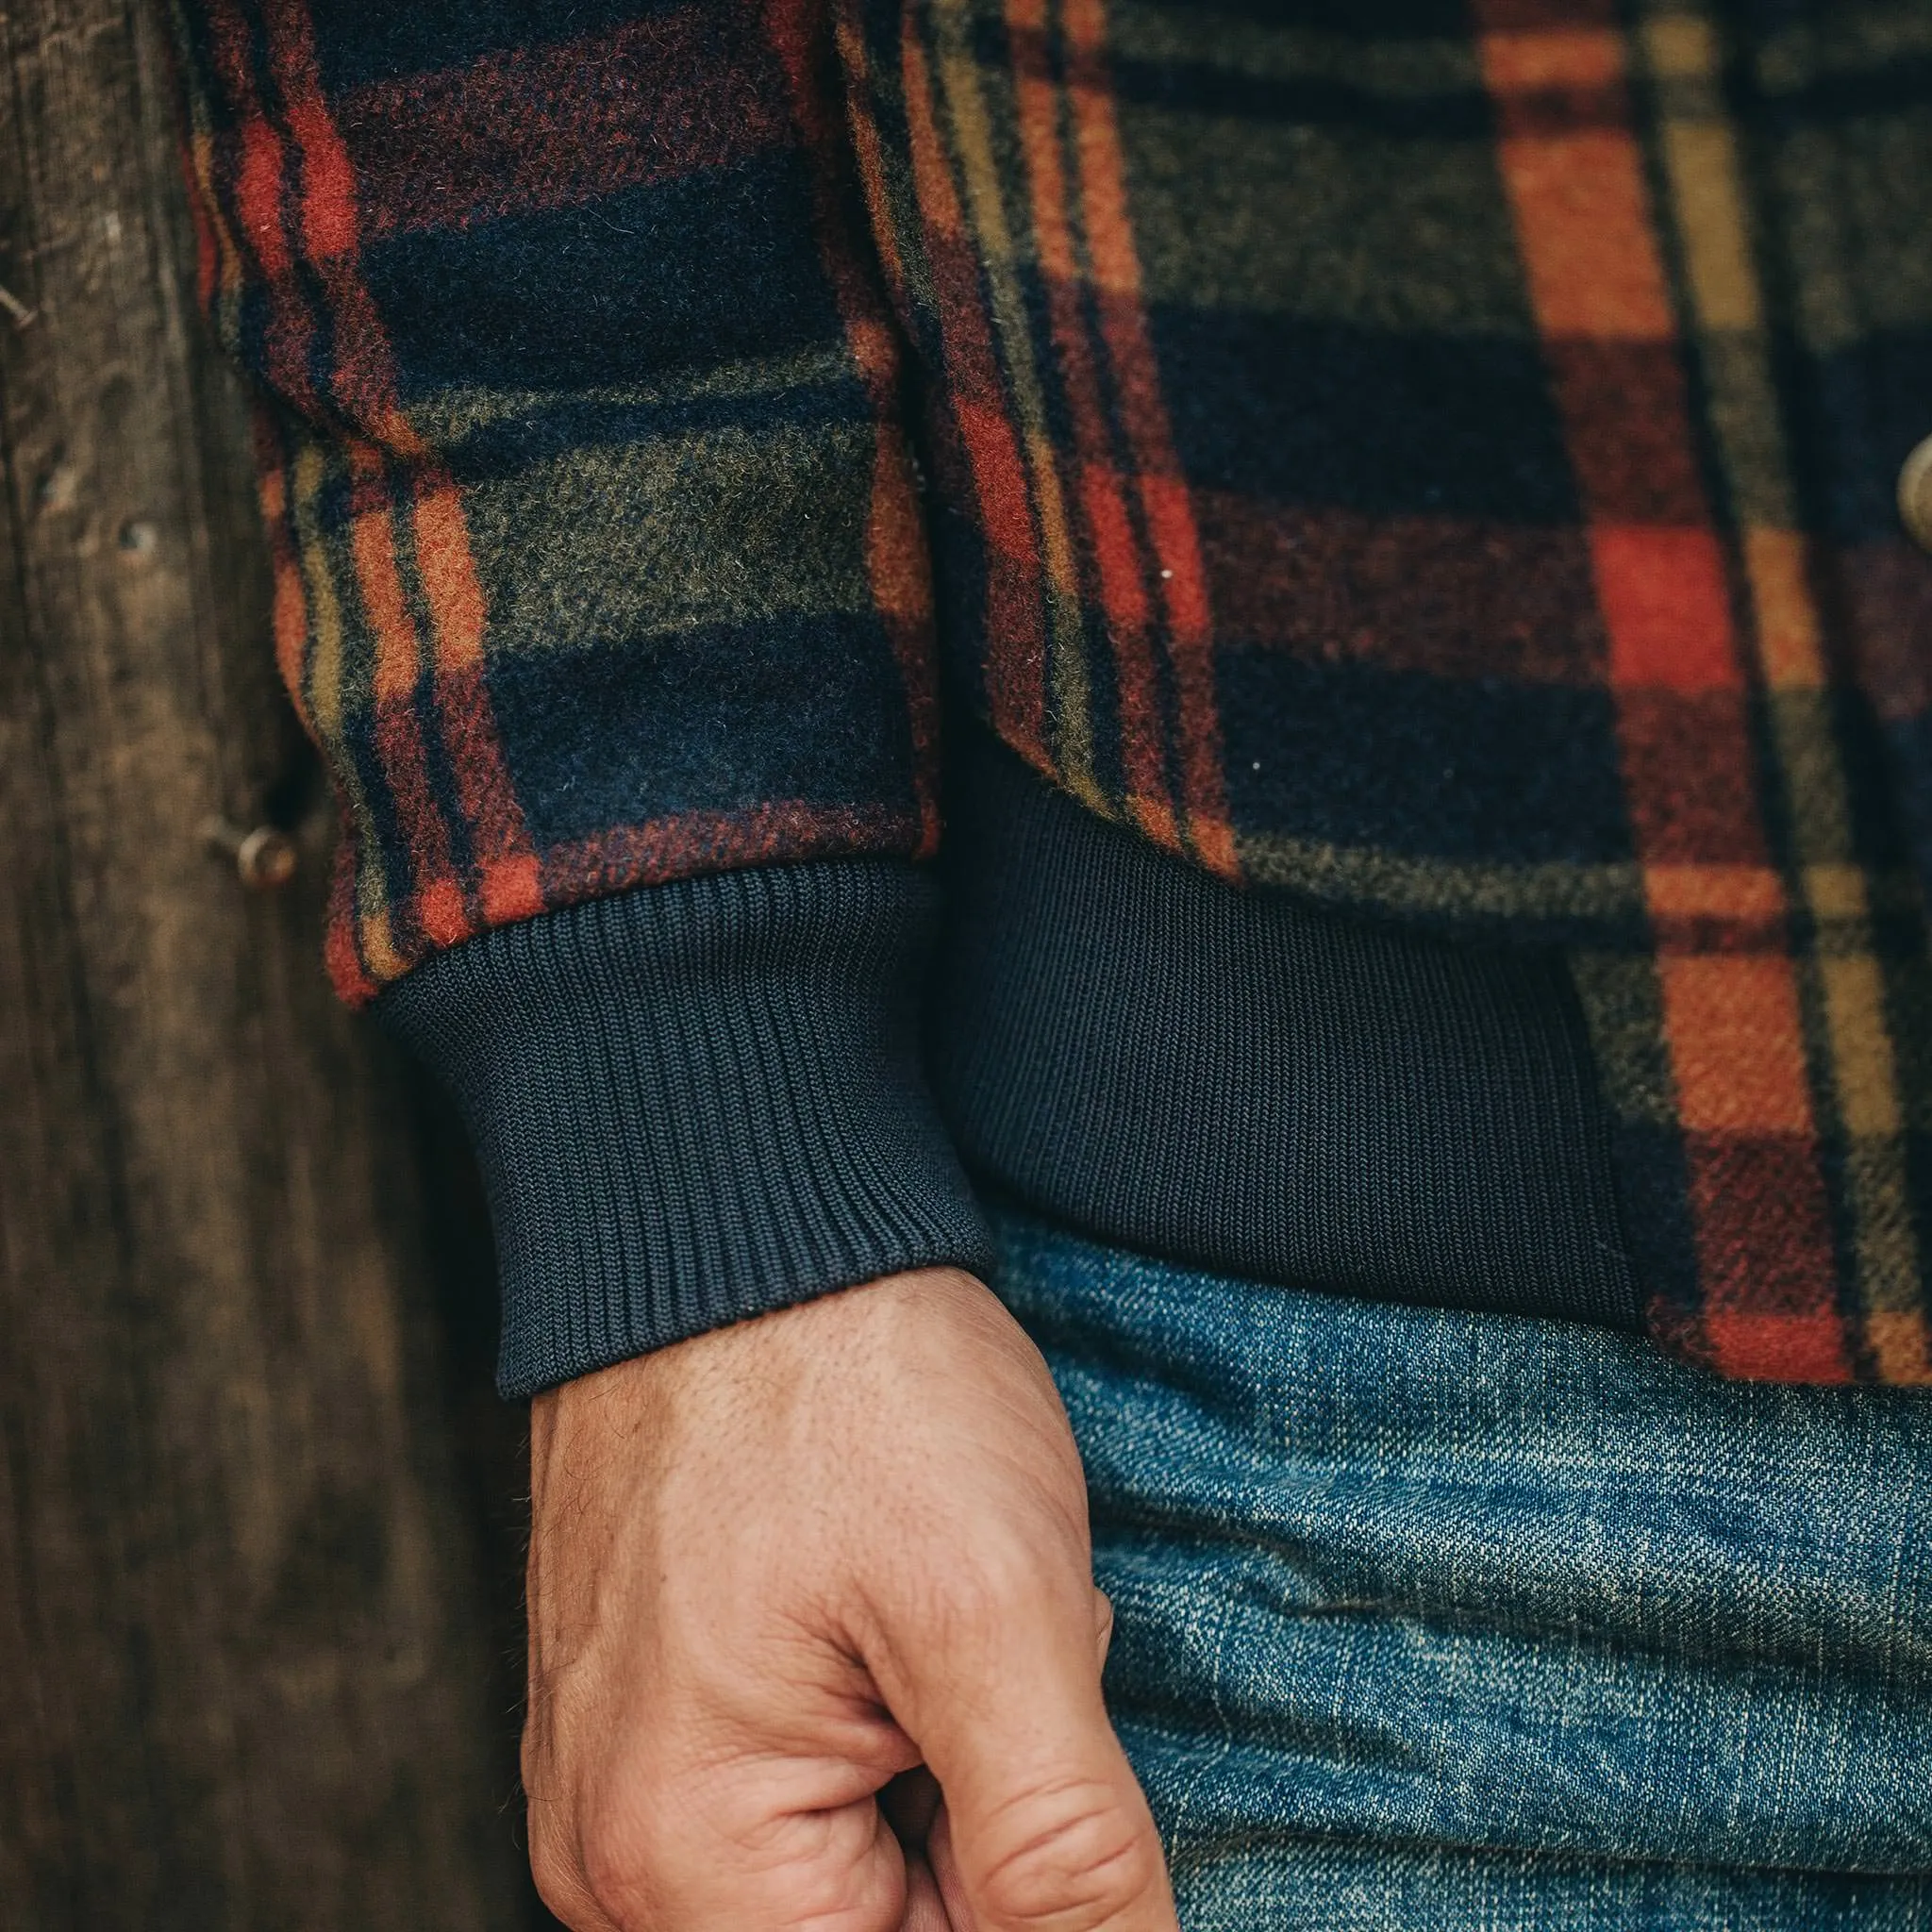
x=258 y=1518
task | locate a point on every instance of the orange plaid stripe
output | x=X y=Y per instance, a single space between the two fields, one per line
x=1732 y=1033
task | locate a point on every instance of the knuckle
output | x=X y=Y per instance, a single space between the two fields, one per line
x=589 y=1867
x=998 y=1584
x=561 y=1884
x=1068 y=1858
x=975 y=1603
x=613 y=1857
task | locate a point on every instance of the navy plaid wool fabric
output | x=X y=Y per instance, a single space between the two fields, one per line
x=1431 y=458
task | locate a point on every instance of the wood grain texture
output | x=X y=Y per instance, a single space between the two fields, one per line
x=252 y=1623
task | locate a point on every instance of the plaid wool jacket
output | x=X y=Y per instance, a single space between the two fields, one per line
x=1434 y=458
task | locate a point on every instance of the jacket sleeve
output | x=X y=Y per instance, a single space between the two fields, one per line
x=599 y=581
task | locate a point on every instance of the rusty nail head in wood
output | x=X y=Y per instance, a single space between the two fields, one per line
x=264 y=856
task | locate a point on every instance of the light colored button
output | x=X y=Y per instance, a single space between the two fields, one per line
x=1915 y=494
x=265 y=859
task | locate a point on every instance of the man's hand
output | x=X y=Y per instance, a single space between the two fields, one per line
x=777 y=1567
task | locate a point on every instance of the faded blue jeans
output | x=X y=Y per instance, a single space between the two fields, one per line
x=1438 y=1620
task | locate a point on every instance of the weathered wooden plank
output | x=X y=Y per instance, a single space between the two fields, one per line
x=253 y=1678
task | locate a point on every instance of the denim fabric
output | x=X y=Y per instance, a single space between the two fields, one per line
x=1429 y=1619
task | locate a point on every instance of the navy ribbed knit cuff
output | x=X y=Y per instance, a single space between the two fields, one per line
x=694 y=1103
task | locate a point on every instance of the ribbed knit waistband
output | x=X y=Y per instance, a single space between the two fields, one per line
x=1235 y=1080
